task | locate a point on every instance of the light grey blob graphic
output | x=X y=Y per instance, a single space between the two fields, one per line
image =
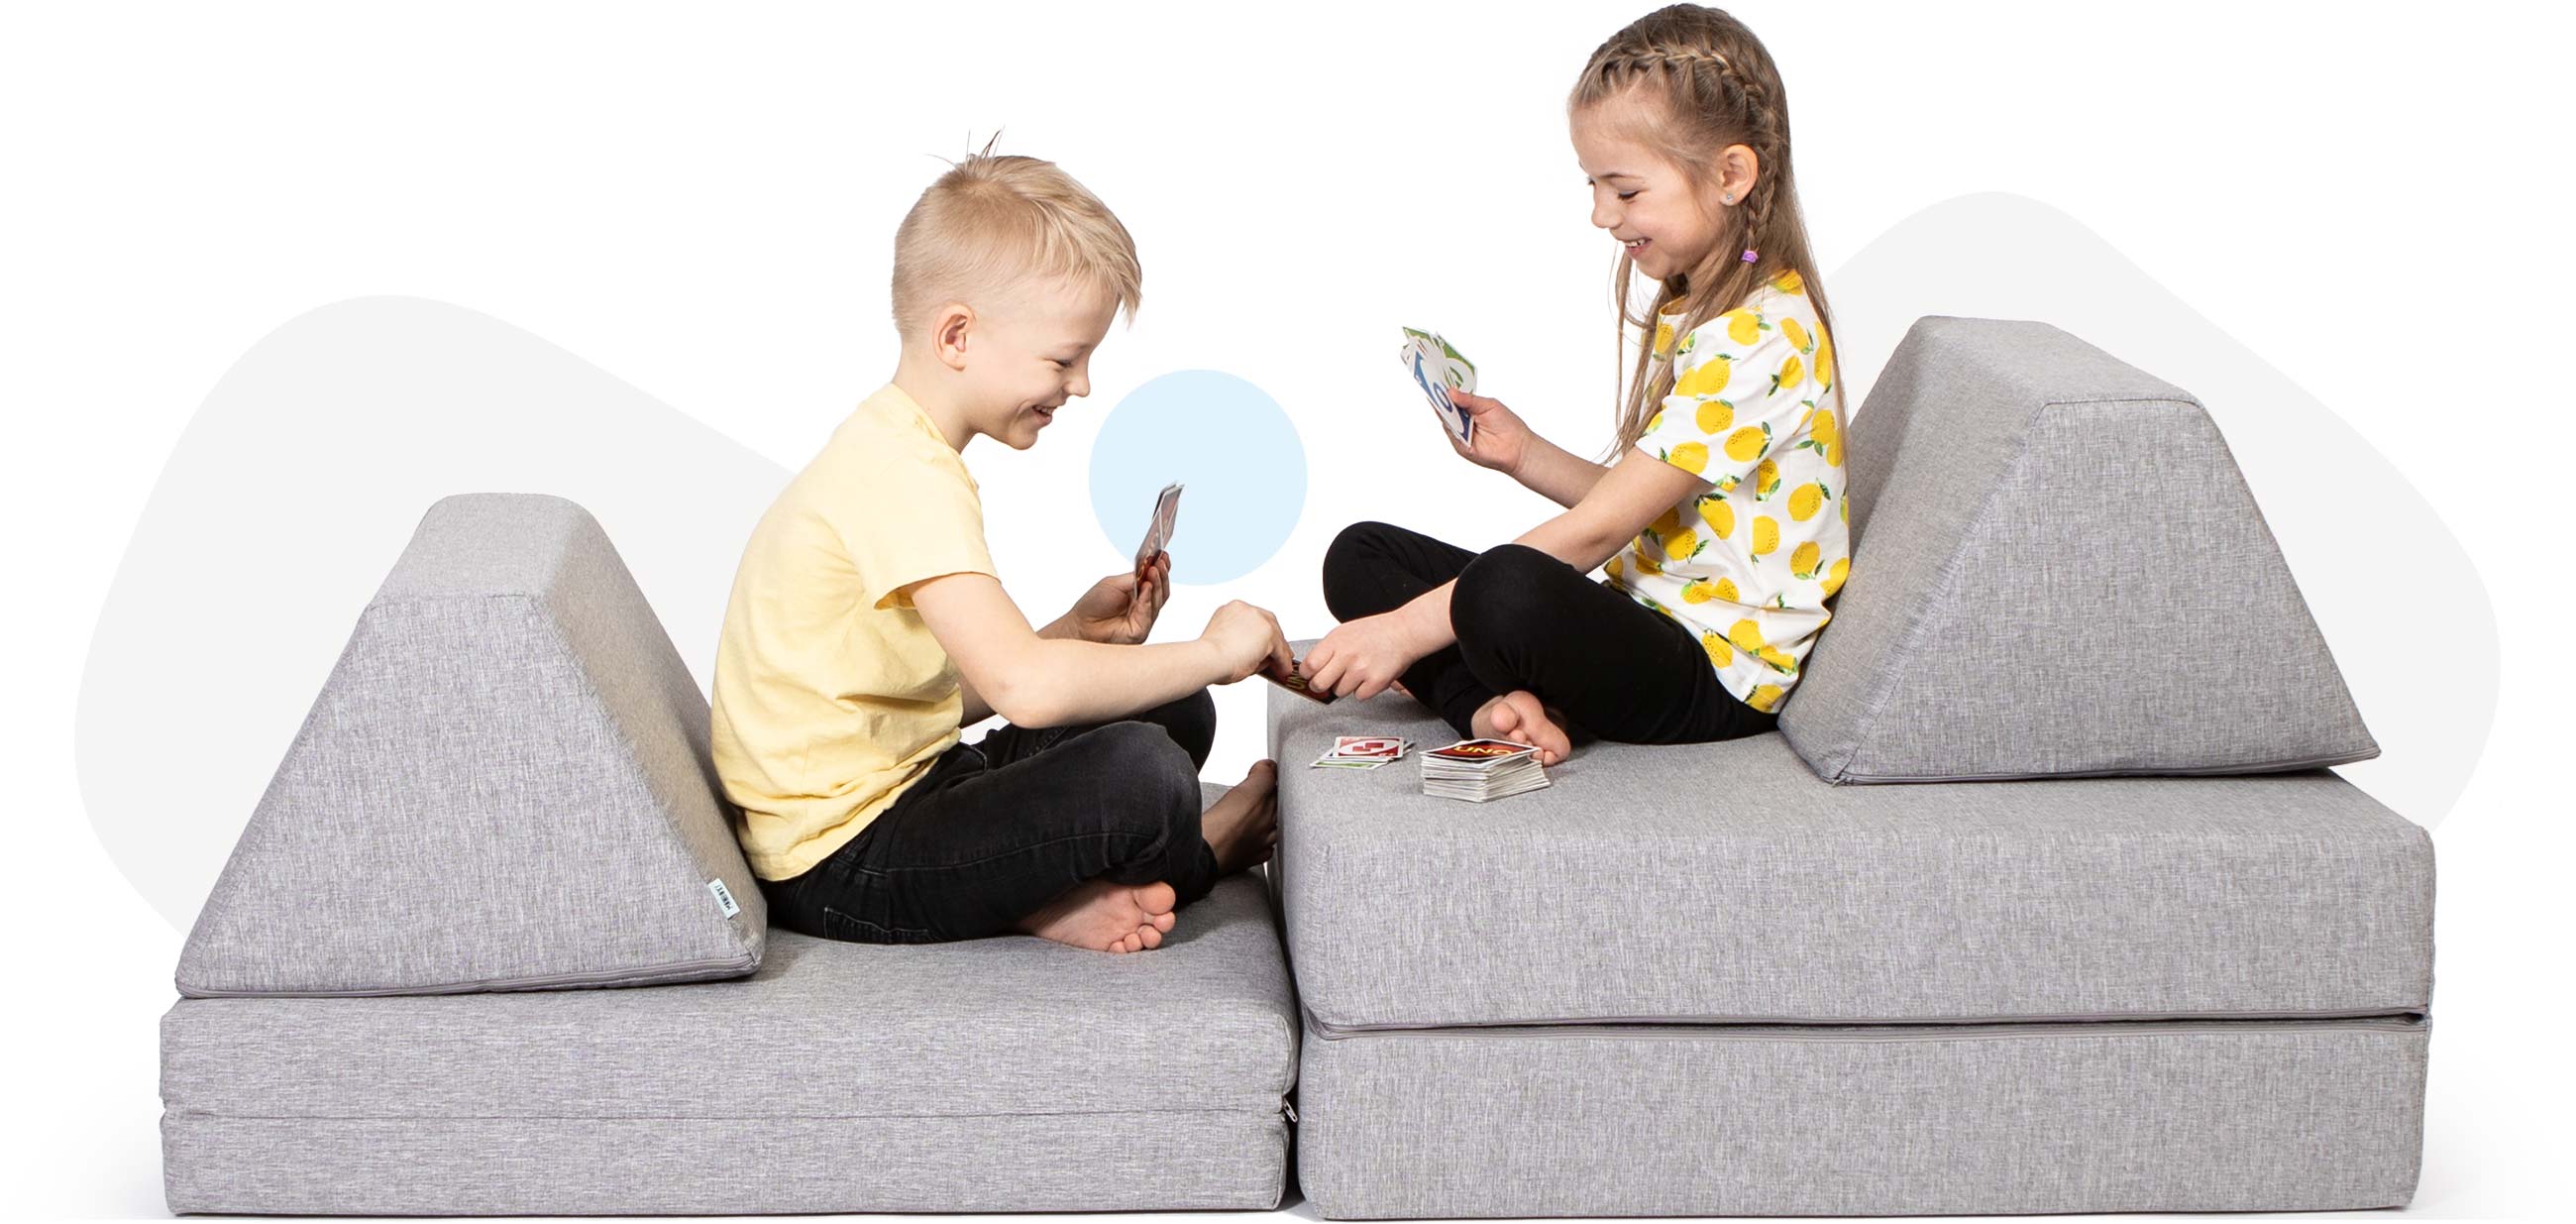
x=301 y=477
x=285 y=503
x=2408 y=617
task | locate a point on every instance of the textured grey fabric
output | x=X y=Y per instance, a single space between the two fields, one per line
x=994 y=1074
x=2058 y=571
x=1725 y=882
x=505 y=784
x=697 y=1165
x=2236 y=1115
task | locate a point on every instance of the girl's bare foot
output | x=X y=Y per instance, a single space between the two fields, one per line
x=1106 y=916
x=1243 y=825
x=1518 y=716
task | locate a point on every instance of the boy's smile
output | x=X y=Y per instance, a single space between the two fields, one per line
x=1035 y=354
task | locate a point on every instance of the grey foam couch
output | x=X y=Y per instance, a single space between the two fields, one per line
x=1971 y=935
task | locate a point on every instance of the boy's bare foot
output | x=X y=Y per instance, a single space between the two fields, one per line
x=1106 y=916
x=1243 y=826
x=1518 y=716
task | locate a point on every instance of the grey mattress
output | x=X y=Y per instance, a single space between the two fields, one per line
x=1727 y=883
x=2224 y=1115
x=1002 y=1074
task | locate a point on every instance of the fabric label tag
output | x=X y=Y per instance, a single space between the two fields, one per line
x=724 y=897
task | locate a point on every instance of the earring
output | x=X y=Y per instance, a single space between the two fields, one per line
x=1730 y=198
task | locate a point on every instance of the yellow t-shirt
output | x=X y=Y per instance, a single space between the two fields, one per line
x=1747 y=565
x=831 y=696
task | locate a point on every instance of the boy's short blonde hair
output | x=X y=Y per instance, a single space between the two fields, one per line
x=994 y=221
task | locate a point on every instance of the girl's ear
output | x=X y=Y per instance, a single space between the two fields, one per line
x=948 y=333
x=1739 y=167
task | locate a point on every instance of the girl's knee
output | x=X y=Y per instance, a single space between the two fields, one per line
x=1348 y=562
x=1502 y=594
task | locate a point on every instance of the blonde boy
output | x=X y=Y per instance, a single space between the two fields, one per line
x=866 y=626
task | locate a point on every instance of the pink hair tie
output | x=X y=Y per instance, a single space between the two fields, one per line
x=1748 y=255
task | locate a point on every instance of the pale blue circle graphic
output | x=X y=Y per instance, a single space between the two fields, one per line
x=1234 y=449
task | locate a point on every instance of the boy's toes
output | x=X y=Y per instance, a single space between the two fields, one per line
x=1163 y=922
x=1148 y=937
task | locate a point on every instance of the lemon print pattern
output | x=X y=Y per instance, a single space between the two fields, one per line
x=1713 y=417
x=1719 y=653
x=1809 y=498
x=1720 y=516
x=1748 y=558
x=1802 y=561
x=1747 y=444
x=1709 y=379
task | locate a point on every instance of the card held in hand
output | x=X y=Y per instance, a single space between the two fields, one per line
x=1438 y=368
x=1158 y=533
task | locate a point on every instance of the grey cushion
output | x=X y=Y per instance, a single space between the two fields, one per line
x=2058 y=571
x=1726 y=882
x=505 y=784
x=2233 y=1115
x=1005 y=1074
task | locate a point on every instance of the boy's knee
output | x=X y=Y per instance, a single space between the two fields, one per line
x=1144 y=761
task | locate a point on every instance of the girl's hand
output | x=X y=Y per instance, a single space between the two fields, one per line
x=1120 y=609
x=1364 y=656
x=1502 y=440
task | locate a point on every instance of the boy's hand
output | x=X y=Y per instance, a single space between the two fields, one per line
x=1501 y=437
x=1248 y=639
x=1365 y=656
x=1120 y=609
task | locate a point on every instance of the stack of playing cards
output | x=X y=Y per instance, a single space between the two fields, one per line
x=1439 y=369
x=1480 y=769
x=1363 y=752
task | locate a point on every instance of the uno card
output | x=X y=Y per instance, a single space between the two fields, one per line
x=1158 y=533
x=1437 y=368
x=1387 y=746
x=1295 y=682
x=1481 y=751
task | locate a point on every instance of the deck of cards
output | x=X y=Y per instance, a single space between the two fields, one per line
x=1438 y=369
x=1480 y=769
x=1363 y=752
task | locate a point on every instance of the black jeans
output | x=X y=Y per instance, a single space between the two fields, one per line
x=997 y=829
x=1525 y=620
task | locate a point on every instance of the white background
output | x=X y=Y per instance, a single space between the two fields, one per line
x=702 y=205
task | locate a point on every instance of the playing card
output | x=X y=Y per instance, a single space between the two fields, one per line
x=1437 y=367
x=1388 y=746
x=1158 y=532
x=1295 y=682
x=1481 y=752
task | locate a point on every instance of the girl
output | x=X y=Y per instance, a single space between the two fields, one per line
x=1720 y=515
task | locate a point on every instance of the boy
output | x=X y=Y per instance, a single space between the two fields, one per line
x=866 y=626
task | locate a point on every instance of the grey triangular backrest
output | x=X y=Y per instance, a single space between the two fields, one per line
x=2057 y=571
x=506 y=784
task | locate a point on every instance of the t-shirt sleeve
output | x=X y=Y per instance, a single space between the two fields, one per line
x=920 y=519
x=1732 y=405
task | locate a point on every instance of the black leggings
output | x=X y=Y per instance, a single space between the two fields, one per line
x=998 y=828
x=1617 y=669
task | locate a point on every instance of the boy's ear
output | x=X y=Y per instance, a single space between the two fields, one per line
x=948 y=332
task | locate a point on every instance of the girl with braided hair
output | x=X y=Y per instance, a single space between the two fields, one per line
x=1718 y=515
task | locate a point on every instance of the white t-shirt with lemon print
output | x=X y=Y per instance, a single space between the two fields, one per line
x=1748 y=564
